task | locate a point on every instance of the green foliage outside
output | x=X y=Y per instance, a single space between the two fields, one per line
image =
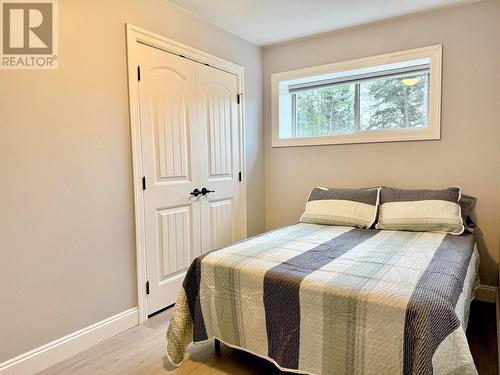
x=325 y=111
x=384 y=104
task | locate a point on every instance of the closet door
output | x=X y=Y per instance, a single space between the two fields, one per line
x=171 y=156
x=190 y=157
x=219 y=131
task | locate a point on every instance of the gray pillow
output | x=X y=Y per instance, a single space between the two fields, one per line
x=344 y=207
x=468 y=205
x=421 y=210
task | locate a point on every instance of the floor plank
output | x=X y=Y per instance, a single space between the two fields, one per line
x=140 y=351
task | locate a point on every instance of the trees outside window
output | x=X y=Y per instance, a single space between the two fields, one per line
x=384 y=103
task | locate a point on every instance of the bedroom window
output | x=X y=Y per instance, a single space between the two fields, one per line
x=393 y=97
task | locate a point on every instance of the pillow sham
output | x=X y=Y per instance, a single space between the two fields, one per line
x=467 y=206
x=344 y=207
x=420 y=210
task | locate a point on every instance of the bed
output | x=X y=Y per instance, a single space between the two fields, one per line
x=323 y=299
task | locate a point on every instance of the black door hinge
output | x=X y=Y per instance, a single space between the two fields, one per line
x=138 y=72
x=238 y=98
x=143 y=182
x=147 y=287
x=239 y=176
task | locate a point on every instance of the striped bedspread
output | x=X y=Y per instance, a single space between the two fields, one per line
x=332 y=300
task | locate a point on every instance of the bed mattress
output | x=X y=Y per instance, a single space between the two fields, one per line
x=334 y=300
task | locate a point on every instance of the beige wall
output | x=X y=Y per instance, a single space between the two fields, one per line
x=468 y=153
x=67 y=256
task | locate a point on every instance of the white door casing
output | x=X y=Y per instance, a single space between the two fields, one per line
x=184 y=227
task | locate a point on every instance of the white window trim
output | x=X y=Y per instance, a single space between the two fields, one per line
x=432 y=131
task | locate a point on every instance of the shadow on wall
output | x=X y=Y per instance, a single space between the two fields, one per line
x=485 y=256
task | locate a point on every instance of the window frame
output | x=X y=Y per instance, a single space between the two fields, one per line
x=431 y=132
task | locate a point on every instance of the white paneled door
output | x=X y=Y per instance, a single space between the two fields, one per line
x=218 y=114
x=190 y=156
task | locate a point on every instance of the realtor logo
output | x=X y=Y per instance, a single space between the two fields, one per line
x=29 y=34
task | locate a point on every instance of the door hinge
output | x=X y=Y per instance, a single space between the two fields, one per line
x=238 y=98
x=138 y=72
x=239 y=176
x=147 y=287
x=143 y=182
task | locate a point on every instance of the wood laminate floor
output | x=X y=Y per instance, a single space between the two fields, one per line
x=140 y=350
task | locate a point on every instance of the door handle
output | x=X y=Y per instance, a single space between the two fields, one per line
x=196 y=192
x=205 y=191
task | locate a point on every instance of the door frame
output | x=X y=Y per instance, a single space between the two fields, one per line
x=135 y=35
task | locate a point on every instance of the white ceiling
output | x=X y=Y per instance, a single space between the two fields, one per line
x=264 y=22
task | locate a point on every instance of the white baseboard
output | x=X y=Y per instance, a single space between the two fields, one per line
x=58 y=350
x=486 y=293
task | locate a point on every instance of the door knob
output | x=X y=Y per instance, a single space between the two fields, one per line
x=196 y=192
x=205 y=191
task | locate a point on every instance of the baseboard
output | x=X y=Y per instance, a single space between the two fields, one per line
x=486 y=293
x=67 y=346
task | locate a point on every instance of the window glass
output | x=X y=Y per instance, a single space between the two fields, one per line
x=323 y=111
x=394 y=103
